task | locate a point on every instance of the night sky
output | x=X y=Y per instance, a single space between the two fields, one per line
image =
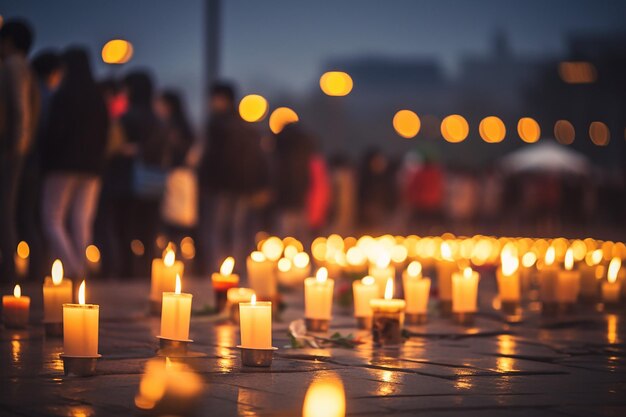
x=280 y=46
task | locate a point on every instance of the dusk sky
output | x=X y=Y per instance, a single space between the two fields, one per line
x=280 y=45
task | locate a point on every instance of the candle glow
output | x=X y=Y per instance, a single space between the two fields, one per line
x=414 y=269
x=613 y=270
x=227 y=266
x=325 y=399
x=17 y=291
x=57 y=272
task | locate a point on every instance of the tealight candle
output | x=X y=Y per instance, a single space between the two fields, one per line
x=164 y=272
x=255 y=324
x=611 y=288
x=508 y=279
x=80 y=327
x=416 y=293
x=388 y=318
x=56 y=292
x=261 y=275
x=464 y=295
x=363 y=291
x=548 y=283
x=446 y=266
x=15 y=309
x=318 y=300
x=588 y=281
x=381 y=271
x=568 y=282
x=236 y=296
x=176 y=314
x=223 y=281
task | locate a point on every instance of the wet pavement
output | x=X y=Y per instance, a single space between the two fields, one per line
x=573 y=365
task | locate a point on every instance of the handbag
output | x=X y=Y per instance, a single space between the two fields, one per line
x=180 y=201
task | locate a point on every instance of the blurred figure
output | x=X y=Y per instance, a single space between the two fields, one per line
x=179 y=208
x=19 y=108
x=425 y=194
x=377 y=190
x=232 y=170
x=462 y=198
x=48 y=72
x=344 y=195
x=73 y=157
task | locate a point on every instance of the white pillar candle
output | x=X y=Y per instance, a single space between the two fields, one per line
x=587 y=268
x=80 y=327
x=164 y=273
x=318 y=296
x=176 y=314
x=568 y=281
x=255 y=324
x=465 y=291
x=382 y=270
x=15 y=309
x=508 y=277
x=56 y=292
x=611 y=288
x=416 y=289
x=446 y=266
x=261 y=275
x=548 y=278
x=364 y=291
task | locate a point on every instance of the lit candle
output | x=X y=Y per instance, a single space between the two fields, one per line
x=548 y=283
x=446 y=266
x=381 y=271
x=236 y=296
x=464 y=294
x=223 y=281
x=568 y=281
x=388 y=317
x=292 y=271
x=176 y=314
x=611 y=288
x=318 y=300
x=325 y=398
x=588 y=281
x=416 y=293
x=164 y=272
x=80 y=327
x=15 y=309
x=56 y=292
x=255 y=324
x=261 y=275
x=22 y=259
x=364 y=291
x=508 y=280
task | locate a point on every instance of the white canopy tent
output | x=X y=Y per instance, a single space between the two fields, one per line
x=546 y=156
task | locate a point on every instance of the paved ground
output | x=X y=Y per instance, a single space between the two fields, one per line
x=575 y=366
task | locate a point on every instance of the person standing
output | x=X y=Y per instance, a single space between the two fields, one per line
x=72 y=159
x=19 y=105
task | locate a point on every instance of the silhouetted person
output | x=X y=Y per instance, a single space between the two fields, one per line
x=180 y=137
x=72 y=161
x=377 y=189
x=344 y=185
x=19 y=106
x=232 y=169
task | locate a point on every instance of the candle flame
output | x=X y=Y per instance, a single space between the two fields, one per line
x=529 y=259
x=383 y=260
x=57 y=272
x=227 y=266
x=368 y=280
x=322 y=275
x=284 y=265
x=467 y=272
x=257 y=256
x=446 y=251
x=325 y=398
x=178 y=285
x=17 y=291
x=614 y=267
x=509 y=261
x=389 y=289
x=569 y=259
x=550 y=255
x=593 y=257
x=81 y=293
x=169 y=258
x=414 y=269
x=301 y=260
x=253 y=299
x=23 y=250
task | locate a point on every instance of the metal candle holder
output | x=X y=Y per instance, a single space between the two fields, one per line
x=387 y=328
x=53 y=329
x=317 y=325
x=415 y=318
x=464 y=318
x=79 y=365
x=173 y=348
x=364 y=323
x=260 y=358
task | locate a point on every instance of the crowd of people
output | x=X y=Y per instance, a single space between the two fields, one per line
x=117 y=163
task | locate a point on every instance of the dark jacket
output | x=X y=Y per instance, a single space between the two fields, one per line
x=294 y=150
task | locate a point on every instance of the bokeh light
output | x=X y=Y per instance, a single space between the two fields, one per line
x=599 y=133
x=454 y=128
x=92 y=253
x=280 y=118
x=117 y=51
x=336 y=83
x=564 y=132
x=492 y=129
x=406 y=123
x=528 y=130
x=253 y=108
x=577 y=72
